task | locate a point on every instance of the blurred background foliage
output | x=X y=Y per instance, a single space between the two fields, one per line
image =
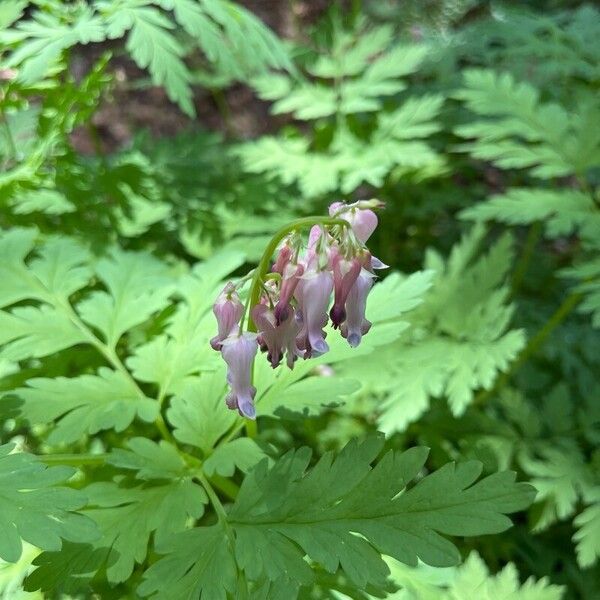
x=189 y=128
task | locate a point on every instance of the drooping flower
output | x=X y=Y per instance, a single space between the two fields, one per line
x=356 y=325
x=362 y=219
x=283 y=258
x=278 y=338
x=345 y=273
x=293 y=300
x=238 y=352
x=314 y=294
x=289 y=281
x=228 y=310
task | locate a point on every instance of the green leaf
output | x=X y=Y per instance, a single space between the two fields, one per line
x=33 y=507
x=242 y=453
x=306 y=397
x=469 y=581
x=284 y=512
x=198 y=564
x=587 y=536
x=61 y=268
x=458 y=339
x=137 y=284
x=149 y=459
x=15 y=246
x=198 y=412
x=141 y=213
x=47 y=201
x=40 y=41
x=127 y=517
x=560 y=476
x=350 y=161
x=588 y=273
x=68 y=571
x=152 y=46
x=519 y=131
x=30 y=332
x=439 y=367
x=84 y=405
x=10 y=11
x=563 y=211
x=58 y=271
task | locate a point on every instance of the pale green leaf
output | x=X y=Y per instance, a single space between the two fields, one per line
x=35 y=507
x=85 y=404
x=137 y=284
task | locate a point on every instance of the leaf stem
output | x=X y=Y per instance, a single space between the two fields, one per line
x=212 y=496
x=533 y=345
x=9 y=136
x=533 y=237
x=75 y=460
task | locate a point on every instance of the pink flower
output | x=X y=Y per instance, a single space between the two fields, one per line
x=283 y=258
x=363 y=220
x=238 y=352
x=228 y=310
x=289 y=281
x=345 y=273
x=278 y=338
x=313 y=295
x=356 y=325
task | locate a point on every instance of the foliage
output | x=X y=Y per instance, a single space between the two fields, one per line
x=355 y=140
x=458 y=340
x=471 y=580
x=282 y=513
x=230 y=37
x=384 y=471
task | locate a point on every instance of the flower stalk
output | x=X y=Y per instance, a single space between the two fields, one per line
x=288 y=301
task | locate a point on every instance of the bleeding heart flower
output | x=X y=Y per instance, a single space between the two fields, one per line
x=356 y=325
x=238 y=352
x=314 y=294
x=363 y=220
x=289 y=281
x=277 y=338
x=228 y=310
x=345 y=273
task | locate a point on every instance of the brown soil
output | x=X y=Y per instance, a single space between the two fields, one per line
x=236 y=111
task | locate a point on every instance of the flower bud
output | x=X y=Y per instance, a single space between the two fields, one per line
x=289 y=280
x=360 y=216
x=228 y=310
x=238 y=352
x=283 y=258
x=345 y=273
x=356 y=325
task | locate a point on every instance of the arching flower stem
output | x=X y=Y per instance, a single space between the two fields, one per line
x=265 y=262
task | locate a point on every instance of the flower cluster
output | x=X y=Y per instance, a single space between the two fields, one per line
x=289 y=300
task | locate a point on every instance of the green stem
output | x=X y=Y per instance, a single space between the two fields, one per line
x=223 y=109
x=212 y=496
x=532 y=347
x=533 y=237
x=224 y=485
x=96 y=141
x=553 y=322
x=228 y=487
x=251 y=428
x=75 y=460
x=9 y=136
x=265 y=261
